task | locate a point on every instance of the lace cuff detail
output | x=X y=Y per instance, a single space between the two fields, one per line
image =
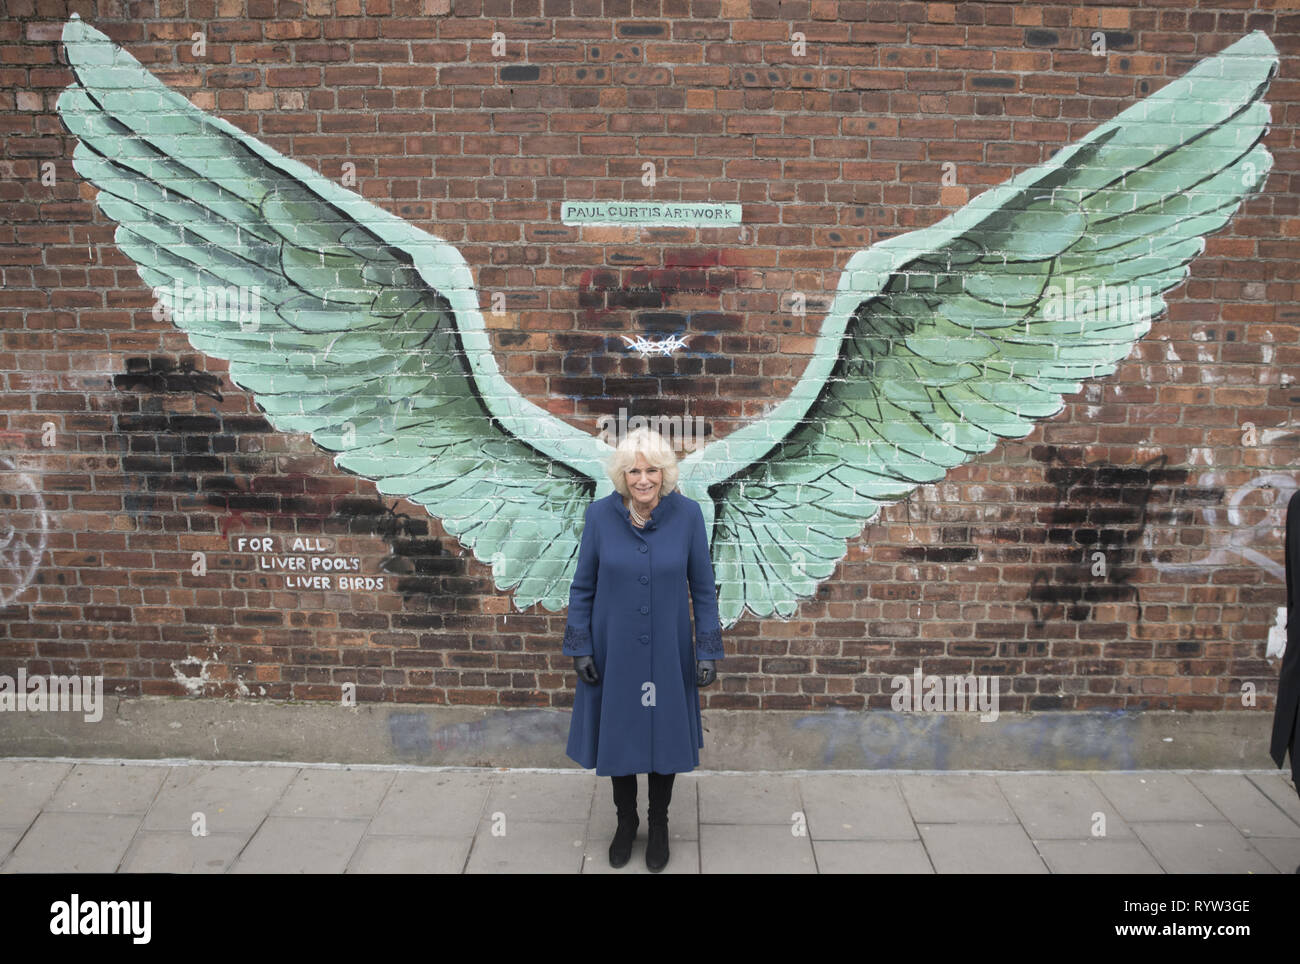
x=708 y=644
x=577 y=642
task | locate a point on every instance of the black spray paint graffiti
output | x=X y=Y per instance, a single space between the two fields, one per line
x=677 y=323
x=164 y=453
x=1099 y=518
x=173 y=460
x=427 y=571
x=165 y=376
x=425 y=568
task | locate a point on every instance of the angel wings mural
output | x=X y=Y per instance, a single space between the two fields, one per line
x=364 y=331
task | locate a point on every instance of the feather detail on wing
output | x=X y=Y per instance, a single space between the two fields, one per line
x=343 y=320
x=944 y=341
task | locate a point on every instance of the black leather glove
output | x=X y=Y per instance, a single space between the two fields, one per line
x=585 y=667
x=704 y=672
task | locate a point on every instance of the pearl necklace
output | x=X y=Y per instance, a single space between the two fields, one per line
x=636 y=517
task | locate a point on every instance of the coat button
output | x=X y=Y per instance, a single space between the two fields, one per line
x=645 y=639
x=644 y=580
x=642 y=548
x=645 y=609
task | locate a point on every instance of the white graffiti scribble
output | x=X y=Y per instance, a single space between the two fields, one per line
x=1288 y=432
x=646 y=347
x=24 y=531
x=196 y=685
x=1276 y=648
x=1238 y=541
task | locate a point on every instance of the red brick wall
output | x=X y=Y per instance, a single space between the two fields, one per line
x=142 y=453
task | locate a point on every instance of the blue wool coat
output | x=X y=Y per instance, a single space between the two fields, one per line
x=628 y=610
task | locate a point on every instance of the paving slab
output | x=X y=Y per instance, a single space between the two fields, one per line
x=871 y=857
x=1245 y=805
x=8 y=840
x=1280 y=790
x=1062 y=806
x=981 y=848
x=107 y=788
x=402 y=854
x=850 y=807
x=25 y=786
x=345 y=794
x=955 y=798
x=754 y=849
x=73 y=843
x=727 y=798
x=528 y=847
x=137 y=816
x=1103 y=856
x=1282 y=852
x=300 y=845
x=181 y=852
x=1158 y=797
x=231 y=799
x=542 y=797
x=433 y=804
x=1183 y=847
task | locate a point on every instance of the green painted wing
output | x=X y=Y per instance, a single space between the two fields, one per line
x=943 y=341
x=344 y=321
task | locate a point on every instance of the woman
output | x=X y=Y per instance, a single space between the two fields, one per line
x=637 y=707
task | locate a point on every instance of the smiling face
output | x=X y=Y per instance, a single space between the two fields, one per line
x=643 y=482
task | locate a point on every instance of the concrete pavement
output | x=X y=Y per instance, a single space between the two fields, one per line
x=181 y=816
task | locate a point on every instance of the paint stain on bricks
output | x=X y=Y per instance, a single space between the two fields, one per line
x=234 y=78
x=170 y=452
x=641 y=30
x=512 y=339
x=520 y=72
x=196 y=457
x=1042 y=38
x=939 y=553
x=166 y=375
x=425 y=568
x=680 y=297
x=1101 y=508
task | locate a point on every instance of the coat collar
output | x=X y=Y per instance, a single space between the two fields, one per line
x=660 y=512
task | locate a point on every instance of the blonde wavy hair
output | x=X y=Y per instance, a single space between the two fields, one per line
x=657 y=452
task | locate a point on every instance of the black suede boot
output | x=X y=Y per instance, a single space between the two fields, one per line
x=620 y=849
x=661 y=794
